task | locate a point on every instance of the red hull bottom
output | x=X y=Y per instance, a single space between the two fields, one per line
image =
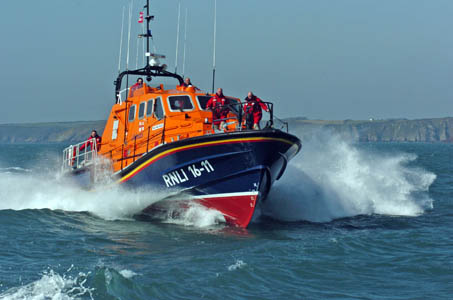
x=237 y=208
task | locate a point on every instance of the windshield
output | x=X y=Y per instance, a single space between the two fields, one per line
x=180 y=103
x=202 y=100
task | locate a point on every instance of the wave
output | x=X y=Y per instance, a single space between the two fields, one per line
x=51 y=285
x=194 y=215
x=14 y=170
x=237 y=265
x=110 y=201
x=331 y=178
x=42 y=190
x=102 y=283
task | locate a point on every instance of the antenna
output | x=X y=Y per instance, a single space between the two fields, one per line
x=213 y=54
x=129 y=34
x=143 y=43
x=177 y=36
x=184 y=52
x=127 y=68
x=121 y=41
x=136 y=54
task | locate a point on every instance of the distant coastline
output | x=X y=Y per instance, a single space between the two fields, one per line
x=48 y=133
x=434 y=130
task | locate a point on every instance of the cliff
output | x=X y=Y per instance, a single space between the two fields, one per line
x=43 y=133
x=395 y=130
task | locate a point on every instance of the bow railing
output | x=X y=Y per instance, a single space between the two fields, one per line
x=79 y=155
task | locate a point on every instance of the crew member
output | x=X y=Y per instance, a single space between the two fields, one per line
x=94 y=137
x=188 y=83
x=218 y=104
x=136 y=86
x=253 y=109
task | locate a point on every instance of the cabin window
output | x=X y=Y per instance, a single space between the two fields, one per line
x=115 y=130
x=158 y=109
x=202 y=101
x=141 y=110
x=180 y=103
x=132 y=113
x=149 y=108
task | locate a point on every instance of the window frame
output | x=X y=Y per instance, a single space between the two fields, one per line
x=198 y=101
x=152 y=107
x=129 y=113
x=177 y=110
x=144 y=110
x=159 y=98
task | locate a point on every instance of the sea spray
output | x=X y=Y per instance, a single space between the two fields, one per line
x=104 y=282
x=110 y=201
x=332 y=178
x=41 y=190
x=194 y=214
x=52 y=285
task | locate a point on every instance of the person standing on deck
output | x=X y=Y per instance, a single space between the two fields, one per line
x=253 y=110
x=93 y=138
x=218 y=104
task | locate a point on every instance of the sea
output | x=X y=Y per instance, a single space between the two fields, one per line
x=346 y=221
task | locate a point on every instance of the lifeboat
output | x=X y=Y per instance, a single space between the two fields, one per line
x=166 y=139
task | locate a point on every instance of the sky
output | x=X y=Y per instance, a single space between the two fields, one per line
x=320 y=59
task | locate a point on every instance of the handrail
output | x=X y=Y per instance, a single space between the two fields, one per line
x=125 y=90
x=77 y=156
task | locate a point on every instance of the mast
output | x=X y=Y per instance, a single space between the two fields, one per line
x=184 y=52
x=148 y=32
x=151 y=69
x=177 y=37
x=121 y=41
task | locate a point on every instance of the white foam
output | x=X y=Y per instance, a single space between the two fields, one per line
x=194 y=215
x=109 y=201
x=14 y=170
x=237 y=265
x=332 y=178
x=127 y=273
x=38 y=191
x=51 y=286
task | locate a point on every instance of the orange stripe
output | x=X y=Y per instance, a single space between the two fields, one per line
x=170 y=151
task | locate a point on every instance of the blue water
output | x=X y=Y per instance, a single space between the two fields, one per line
x=347 y=221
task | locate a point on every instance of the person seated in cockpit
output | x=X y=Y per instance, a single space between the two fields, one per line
x=188 y=83
x=180 y=104
x=136 y=86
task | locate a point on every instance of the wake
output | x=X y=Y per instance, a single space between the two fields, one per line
x=39 y=191
x=30 y=189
